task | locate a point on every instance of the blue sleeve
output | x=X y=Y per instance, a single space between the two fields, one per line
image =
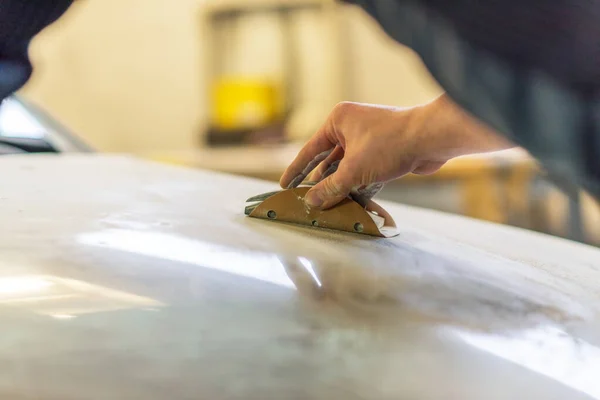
x=20 y=21
x=537 y=85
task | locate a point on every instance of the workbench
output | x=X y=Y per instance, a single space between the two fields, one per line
x=124 y=279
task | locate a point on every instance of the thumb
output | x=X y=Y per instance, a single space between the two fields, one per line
x=331 y=190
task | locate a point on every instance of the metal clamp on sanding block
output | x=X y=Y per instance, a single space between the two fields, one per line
x=348 y=216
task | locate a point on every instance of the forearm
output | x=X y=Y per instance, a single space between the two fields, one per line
x=454 y=132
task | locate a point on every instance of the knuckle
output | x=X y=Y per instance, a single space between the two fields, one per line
x=342 y=109
x=353 y=171
x=370 y=177
x=334 y=187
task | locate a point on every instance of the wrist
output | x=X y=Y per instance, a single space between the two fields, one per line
x=452 y=132
x=437 y=132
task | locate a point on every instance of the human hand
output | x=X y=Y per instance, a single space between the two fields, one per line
x=358 y=149
x=362 y=146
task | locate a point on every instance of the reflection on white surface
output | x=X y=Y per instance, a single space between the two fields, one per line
x=262 y=266
x=309 y=267
x=63 y=316
x=64 y=299
x=548 y=351
x=23 y=285
x=15 y=121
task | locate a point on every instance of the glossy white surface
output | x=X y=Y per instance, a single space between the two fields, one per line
x=121 y=279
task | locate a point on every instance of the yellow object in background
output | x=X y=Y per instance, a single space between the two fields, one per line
x=243 y=103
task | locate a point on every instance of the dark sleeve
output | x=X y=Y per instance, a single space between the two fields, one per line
x=20 y=21
x=530 y=69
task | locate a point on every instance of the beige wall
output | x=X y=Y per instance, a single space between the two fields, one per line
x=381 y=70
x=123 y=74
x=127 y=75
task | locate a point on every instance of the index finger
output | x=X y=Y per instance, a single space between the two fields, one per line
x=314 y=151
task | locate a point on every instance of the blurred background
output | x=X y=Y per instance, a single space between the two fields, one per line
x=239 y=85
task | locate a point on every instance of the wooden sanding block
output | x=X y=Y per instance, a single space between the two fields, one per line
x=348 y=216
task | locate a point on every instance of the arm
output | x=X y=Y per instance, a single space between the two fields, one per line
x=539 y=87
x=457 y=132
x=375 y=144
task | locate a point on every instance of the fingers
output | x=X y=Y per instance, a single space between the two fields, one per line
x=330 y=170
x=312 y=154
x=297 y=180
x=331 y=190
x=329 y=165
x=364 y=194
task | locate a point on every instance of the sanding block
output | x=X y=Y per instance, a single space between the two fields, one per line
x=348 y=216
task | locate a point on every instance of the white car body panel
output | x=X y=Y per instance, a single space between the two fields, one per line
x=122 y=279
